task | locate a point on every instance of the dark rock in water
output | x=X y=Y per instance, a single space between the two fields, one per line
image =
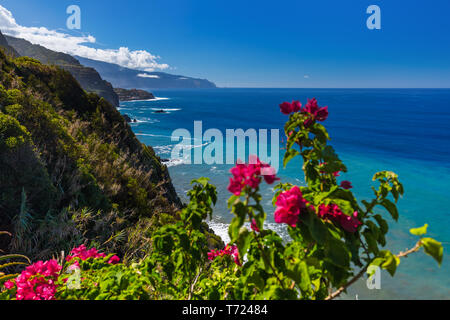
x=160 y=111
x=165 y=160
x=134 y=120
x=127 y=118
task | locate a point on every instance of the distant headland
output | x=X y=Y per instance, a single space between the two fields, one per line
x=133 y=94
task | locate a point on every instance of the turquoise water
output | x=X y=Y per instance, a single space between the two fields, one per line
x=405 y=131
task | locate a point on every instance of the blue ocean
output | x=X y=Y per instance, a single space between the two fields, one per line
x=402 y=130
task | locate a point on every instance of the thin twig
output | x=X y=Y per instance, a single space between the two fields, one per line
x=402 y=254
x=191 y=290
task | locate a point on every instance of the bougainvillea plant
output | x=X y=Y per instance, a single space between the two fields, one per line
x=334 y=240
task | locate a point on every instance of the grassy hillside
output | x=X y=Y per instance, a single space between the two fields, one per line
x=89 y=79
x=71 y=169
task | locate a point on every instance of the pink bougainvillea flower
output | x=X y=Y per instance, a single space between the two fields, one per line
x=286 y=108
x=296 y=106
x=83 y=253
x=231 y=251
x=346 y=185
x=333 y=212
x=289 y=205
x=37 y=281
x=250 y=175
x=315 y=112
x=114 y=260
x=9 y=284
x=254 y=226
x=350 y=223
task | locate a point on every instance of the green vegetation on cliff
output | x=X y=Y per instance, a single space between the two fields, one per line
x=71 y=169
x=89 y=79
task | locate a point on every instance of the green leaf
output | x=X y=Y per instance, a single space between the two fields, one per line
x=391 y=262
x=433 y=248
x=391 y=208
x=14 y=256
x=337 y=253
x=317 y=228
x=289 y=155
x=419 y=231
x=243 y=241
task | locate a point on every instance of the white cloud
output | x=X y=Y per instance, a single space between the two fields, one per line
x=146 y=75
x=76 y=45
x=306 y=76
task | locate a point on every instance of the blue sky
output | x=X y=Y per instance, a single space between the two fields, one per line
x=267 y=43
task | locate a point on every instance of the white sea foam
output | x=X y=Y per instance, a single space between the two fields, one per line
x=166 y=109
x=148 y=100
x=144 y=120
x=175 y=162
x=221 y=229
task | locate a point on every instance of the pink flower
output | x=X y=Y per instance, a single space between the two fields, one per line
x=231 y=251
x=114 y=260
x=254 y=226
x=350 y=223
x=315 y=112
x=289 y=206
x=84 y=254
x=296 y=106
x=37 y=281
x=333 y=212
x=9 y=284
x=346 y=185
x=250 y=175
x=287 y=108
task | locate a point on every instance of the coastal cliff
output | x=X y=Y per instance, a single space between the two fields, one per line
x=71 y=169
x=6 y=47
x=89 y=79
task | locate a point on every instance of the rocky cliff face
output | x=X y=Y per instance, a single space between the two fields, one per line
x=89 y=79
x=133 y=94
x=71 y=169
x=5 y=46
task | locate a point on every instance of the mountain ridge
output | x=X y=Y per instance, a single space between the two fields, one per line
x=89 y=78
x=126 y=78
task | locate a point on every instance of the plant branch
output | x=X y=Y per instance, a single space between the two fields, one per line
x=402 y=254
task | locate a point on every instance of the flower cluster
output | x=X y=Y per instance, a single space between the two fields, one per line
x=83 y=253
x=312 y=110
x=231 y=251
x=315 y=112
x=334 y=213
x=323 y=164
x=37 y=281
x=254 y=226
x=287 y=108
x=346 y=185
x=289 y=204
x=250 y=175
